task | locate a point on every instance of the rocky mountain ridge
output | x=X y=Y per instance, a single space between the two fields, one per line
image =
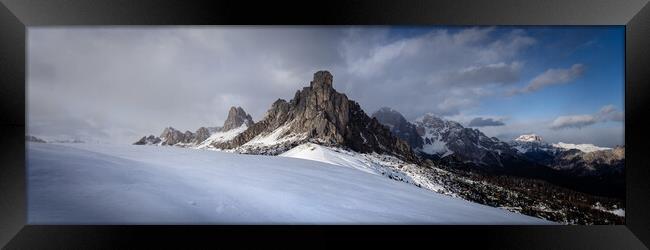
x=319 y=114
x=444 y=138
x=170 y=136
x=451 y=145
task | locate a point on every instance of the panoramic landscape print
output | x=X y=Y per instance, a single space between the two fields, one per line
x=326 y=125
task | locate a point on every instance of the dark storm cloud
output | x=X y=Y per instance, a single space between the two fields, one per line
x=449 y=71
x=120 y=83
x=484 y=122
x=146 y=79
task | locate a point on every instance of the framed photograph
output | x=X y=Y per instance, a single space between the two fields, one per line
x=492 y=124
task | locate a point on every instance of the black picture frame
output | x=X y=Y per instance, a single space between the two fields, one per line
x=18 y=15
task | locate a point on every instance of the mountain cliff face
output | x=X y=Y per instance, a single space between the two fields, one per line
x=443 y=138
x=399 y=126
x=595 y=163
x=171 y=136
x=201 y=134
x=319 y=114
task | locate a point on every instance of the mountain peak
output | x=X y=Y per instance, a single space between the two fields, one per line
x=167 y=131
x=148 y=140
x=236 y=117
x=529 y=138
x=322 y=79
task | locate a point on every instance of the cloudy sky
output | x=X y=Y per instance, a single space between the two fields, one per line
x=116 y=84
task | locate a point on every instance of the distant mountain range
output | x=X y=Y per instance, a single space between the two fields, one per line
x=236 y=122
x=34 y=139
x=31 y=138
x=584 y=167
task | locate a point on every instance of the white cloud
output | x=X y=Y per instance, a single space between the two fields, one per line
x=553 y=77
x=573 y=121
x=605 y=114
x=609 y=113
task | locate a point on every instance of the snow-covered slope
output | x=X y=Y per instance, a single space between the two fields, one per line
x=220 y=136
x=280 y=135
x=373 y=163
x=315 y=152
x=125 y=184
x=582 y=147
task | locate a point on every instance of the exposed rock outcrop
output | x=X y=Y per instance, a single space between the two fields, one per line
x=201 y=134
x=171 y=136
x=148 y=140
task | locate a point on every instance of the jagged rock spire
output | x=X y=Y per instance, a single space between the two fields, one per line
x=236 y=117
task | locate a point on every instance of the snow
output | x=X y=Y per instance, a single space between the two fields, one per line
x=582 y=147
x=129 y=184
x=320 y=153
x=617 y=211
x=521 y=149
x=436 y=146
x=434 y=133
x=620 y=212
x=373 y=163
x=222 y=136
x=529 y=138
x=278 y=136
x=381 y=165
